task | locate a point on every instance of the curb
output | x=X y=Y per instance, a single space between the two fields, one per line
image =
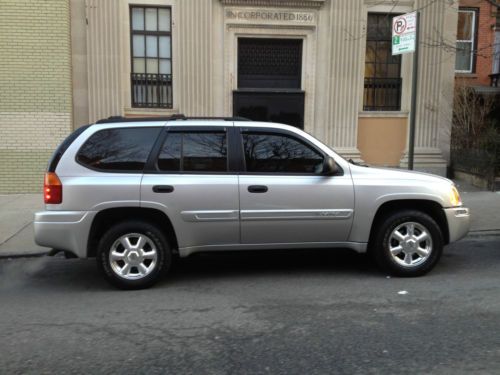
x=29 y=255
x=483 y=233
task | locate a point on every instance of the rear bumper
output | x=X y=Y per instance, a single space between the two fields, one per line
x=458 y=222
x=64 y=230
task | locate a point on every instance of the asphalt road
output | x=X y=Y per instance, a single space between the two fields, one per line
x=302 y=312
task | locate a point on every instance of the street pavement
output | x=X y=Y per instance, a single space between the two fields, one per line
x=298 y=312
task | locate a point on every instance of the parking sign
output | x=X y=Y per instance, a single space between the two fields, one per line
x=404 y=33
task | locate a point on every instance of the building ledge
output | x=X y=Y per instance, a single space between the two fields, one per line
x=486 y=90
x=131 y=112
x=387 y=114
x=466 y=75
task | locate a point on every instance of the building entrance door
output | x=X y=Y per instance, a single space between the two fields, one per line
x=269 y=81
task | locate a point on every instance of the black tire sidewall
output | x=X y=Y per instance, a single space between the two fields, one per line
x=382 y=252
x=111 y=235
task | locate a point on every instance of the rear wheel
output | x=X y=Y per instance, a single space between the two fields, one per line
x=133 y=255
x=408 y=243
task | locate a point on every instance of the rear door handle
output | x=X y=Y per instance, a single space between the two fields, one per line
x=257 y=189
x=163 y=189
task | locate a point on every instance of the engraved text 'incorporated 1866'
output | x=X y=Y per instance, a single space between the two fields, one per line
x=265 y=15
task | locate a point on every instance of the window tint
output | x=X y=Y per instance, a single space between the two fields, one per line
x=194 y=152
x=170 y=154
x=124 y=149
x=279 y=153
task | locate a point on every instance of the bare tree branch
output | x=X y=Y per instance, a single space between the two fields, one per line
x=494 y=3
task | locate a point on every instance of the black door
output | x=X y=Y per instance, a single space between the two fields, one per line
x=269 y=81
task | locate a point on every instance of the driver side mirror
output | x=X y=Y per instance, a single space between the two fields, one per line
x=330 y=168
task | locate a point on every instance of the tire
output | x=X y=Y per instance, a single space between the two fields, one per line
x=400 y=253
x=133 y=255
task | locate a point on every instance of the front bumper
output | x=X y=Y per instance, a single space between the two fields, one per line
x=458 y=222
x=64 y=230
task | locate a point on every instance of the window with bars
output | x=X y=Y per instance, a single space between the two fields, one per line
x=151 y=52
x=382 y=90
x=466 y=39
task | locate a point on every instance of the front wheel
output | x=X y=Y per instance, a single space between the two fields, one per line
x=133 y=255
x=408 y=243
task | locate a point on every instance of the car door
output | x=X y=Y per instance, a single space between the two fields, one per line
x=284 y=198
x=191 y=180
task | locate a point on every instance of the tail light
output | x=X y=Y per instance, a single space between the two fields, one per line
x=52 y=189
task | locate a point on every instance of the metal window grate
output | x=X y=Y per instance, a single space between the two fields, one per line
x=269 y=63
x=151 y=90
x=382 y=94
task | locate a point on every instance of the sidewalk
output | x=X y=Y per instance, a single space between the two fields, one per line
x=16 y=224
x=16 y=219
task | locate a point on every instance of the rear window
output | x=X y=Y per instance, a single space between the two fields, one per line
x=118 y=150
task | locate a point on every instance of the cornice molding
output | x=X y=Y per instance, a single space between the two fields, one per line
x=310 y=4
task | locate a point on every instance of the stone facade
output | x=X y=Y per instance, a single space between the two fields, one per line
x=35 y=89
x=204 y=52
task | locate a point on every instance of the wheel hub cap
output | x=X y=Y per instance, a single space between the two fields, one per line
x=133 y=256
x=410 y=244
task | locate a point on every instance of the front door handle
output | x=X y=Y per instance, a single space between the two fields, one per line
x=163 y=189
x=257 y=189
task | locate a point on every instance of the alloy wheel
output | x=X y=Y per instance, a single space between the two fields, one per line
x=133 y=256
x=410 y=244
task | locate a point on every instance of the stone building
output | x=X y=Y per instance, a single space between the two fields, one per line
x=322 y=65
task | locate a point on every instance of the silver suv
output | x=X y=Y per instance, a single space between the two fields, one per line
x=134 y=194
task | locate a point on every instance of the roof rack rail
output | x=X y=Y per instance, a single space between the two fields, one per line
x=175 y=117
x=234 y=118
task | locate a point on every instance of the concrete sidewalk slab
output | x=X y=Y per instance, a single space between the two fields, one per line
x=485 y=210
x=16 y=224
x=16 y=212
x=484 y=207
x=22 y=243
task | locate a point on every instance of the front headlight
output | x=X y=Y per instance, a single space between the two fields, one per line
x=455 y=197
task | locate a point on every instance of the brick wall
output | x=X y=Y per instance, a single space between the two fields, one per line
x=485 y=41
x=35 y=89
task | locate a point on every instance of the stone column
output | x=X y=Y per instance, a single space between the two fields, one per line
x=338 y=97
x=435 y=87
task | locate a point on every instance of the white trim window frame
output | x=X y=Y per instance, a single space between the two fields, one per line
x=471 y=41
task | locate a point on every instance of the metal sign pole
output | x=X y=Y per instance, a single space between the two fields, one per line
x=413 y=114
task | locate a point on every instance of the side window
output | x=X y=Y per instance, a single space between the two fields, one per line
x=123 y=150
x=466 y=40
x=194 y=152
x=279 y=153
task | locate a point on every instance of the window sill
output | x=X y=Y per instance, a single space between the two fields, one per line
x=465 y=75
x=150 y=112
x=397 y=114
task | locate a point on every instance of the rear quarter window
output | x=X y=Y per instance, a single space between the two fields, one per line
x=118 y=150
x=61 y=149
